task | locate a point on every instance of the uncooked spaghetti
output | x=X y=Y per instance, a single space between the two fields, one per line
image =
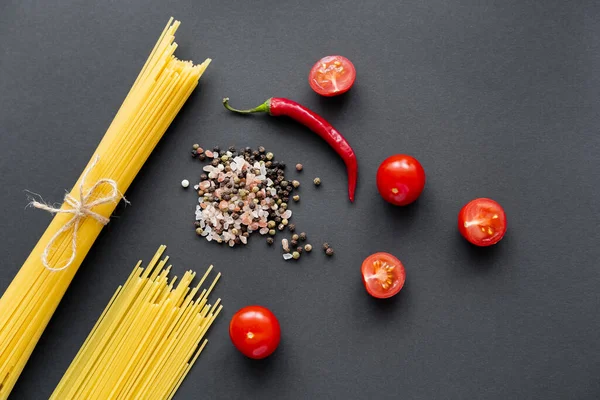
x=159 y=92
x=146 y=340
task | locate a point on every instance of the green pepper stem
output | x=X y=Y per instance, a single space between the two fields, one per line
x=264 y=107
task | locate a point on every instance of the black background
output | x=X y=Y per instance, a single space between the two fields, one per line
x=495 y=98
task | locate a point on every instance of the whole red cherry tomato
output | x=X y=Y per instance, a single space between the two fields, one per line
x=482 y=222
x=400 y=179
x=383 y=275
x=332 y=75
x=255 y=331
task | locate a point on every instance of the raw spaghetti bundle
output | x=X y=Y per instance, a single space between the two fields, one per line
x=146 y=340
x=159 y=92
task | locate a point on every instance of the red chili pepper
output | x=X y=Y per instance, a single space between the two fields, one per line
x=278 y=106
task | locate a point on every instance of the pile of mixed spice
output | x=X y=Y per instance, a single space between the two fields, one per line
x=243 y=192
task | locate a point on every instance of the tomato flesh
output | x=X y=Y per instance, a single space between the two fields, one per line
x=383 y=275
x=482 y=222
x=255 y=332
x=332 y=75
x=400 y=179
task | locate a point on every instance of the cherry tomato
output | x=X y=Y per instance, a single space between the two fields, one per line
x=255 y=332
x=332 y=75
x=383 y=275
x=482 y=222
x=400 y=179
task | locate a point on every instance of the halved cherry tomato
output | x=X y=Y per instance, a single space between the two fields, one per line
x=400 y=179
x=255 y=332
x=332 y=75
x=383 y=275
x=482 y=222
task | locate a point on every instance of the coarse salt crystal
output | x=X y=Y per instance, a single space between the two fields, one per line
x=244 y=239
x=264 y=231
x=287 y=256
x=204 y=185
x=285 y=245
x=287 y=214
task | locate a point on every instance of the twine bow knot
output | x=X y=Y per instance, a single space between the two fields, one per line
x=80 y=209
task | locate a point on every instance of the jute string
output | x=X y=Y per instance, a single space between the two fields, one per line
x=80 y=209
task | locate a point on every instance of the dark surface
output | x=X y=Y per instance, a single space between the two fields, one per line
x=495 y=98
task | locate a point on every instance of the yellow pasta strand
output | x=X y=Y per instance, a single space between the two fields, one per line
x=158 y=93
x=146 y=340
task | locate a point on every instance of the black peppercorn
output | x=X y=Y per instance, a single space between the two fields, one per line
x=194 y=153
x=201 y=157
x=293 y=243
x=203 y=177
x=292 y=227
x=329 y=251
x=232 y=148
x=325 y=246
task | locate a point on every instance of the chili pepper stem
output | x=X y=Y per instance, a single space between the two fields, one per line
x=264 y=107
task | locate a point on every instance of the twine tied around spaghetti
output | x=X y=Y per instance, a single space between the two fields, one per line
x=80 y=209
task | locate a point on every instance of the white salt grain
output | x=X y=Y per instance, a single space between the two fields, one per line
x=287 y=256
